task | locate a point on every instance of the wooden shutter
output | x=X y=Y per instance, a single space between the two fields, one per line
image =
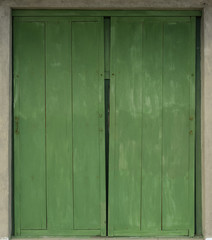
x=59 y=112
x=152 y=110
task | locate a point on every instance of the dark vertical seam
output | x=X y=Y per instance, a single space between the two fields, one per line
x=19 y=155
x=45 y=86
x=162 y=133
x=190 y=137
x=71 y=40
x=98 y=78
x=115 y=130
x=106 y=108
x=141 y=161
x=195 y=140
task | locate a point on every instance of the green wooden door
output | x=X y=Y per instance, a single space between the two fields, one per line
x=59 y=156
x=152 y=129
x=59 y=126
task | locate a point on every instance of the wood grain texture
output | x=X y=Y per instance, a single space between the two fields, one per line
x=177 y=104
x=198 y=177
x=152 y=126
x=125 y=126
x=86 y=128
x=59 y=126
x=29 y=69
x=61 y=138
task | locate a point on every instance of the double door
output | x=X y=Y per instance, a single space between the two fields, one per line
x=63 y=183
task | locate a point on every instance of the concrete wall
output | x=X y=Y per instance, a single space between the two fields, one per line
x=6 y=95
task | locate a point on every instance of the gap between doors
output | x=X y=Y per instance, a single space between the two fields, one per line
x=107 y=104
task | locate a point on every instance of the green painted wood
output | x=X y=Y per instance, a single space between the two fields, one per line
x=151 y=153
x=93 y=18
x=59 y=233
x=59 y=77
x=151 y=233
x=102 y=140
x=178 y=140
x=59 y=126
x=152 y=115
x=86 y=127
x=59 y=102
x=106 y=13
x=29 y=104
x=198 y=131
x=125 y=125
x=191 y=181
x=78 y=233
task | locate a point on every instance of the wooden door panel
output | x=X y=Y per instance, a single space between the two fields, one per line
x=59 y=126
x=86 y=129
x=151 y=176
x=151 y=152
x=178 y=100
x=125 y=127
x=29 y=114
x=59 y=101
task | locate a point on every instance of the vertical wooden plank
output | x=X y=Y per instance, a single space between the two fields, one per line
x=88 y=130
x=111 y=155
x=178 y=140
x=198 y=179
x=59 y=125
x=192 y=40
x=29 y=68
x=125 y=122
x=152 y=126
x=102 y=154
x=107 y=104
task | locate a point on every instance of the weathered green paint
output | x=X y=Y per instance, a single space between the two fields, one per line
x=152 y=127
x=198 y=181
x=107 y=104
x=178 y=126
x=29 y=107
x=106 y=13
x=59 y=146
x=86 y=127
x=59 y=124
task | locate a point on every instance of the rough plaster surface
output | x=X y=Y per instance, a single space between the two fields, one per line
x=5 y=129
x=108 y=4
x=207 y=122
x=5 y=91
x=106 y=238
